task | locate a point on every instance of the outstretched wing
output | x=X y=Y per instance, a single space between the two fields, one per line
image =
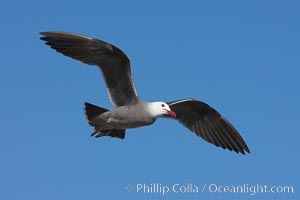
x=114 y=64
x=207 y=123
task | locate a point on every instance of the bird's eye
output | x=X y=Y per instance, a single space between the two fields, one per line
x=162 y=105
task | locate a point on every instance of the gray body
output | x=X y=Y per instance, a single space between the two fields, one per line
x=123 y=117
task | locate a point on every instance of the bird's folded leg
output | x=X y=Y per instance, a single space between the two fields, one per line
x=101 y=132
x=94 y=133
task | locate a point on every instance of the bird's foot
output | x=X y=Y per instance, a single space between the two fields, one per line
x=101 y=132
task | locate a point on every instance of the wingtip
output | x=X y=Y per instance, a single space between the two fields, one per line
x=248 y=151
x=45 y=33
x=50 y=33
x=245 y=148
x=244 y=151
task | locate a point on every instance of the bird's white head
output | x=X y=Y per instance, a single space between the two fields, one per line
x=159 y=109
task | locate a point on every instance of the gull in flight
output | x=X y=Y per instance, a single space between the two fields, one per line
x=130 y=110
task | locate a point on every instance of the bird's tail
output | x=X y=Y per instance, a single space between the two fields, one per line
x=93 y=111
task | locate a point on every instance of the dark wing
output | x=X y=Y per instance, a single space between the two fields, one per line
x=207 y=123
x=114 y=64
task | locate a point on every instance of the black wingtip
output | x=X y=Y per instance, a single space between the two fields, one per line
x=43 y=37
x=244 y=148
x=243 y=151
x=44 y=34
x=247 y=150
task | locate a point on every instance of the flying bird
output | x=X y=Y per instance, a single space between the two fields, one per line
x=130 y=110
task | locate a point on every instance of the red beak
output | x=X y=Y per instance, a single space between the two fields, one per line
x=171 y=113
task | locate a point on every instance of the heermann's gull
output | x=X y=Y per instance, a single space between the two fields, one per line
x=130 y=111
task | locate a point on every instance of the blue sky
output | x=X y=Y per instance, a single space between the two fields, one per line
x=241 y=57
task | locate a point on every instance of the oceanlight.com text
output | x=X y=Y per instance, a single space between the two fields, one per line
x=249 y=189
